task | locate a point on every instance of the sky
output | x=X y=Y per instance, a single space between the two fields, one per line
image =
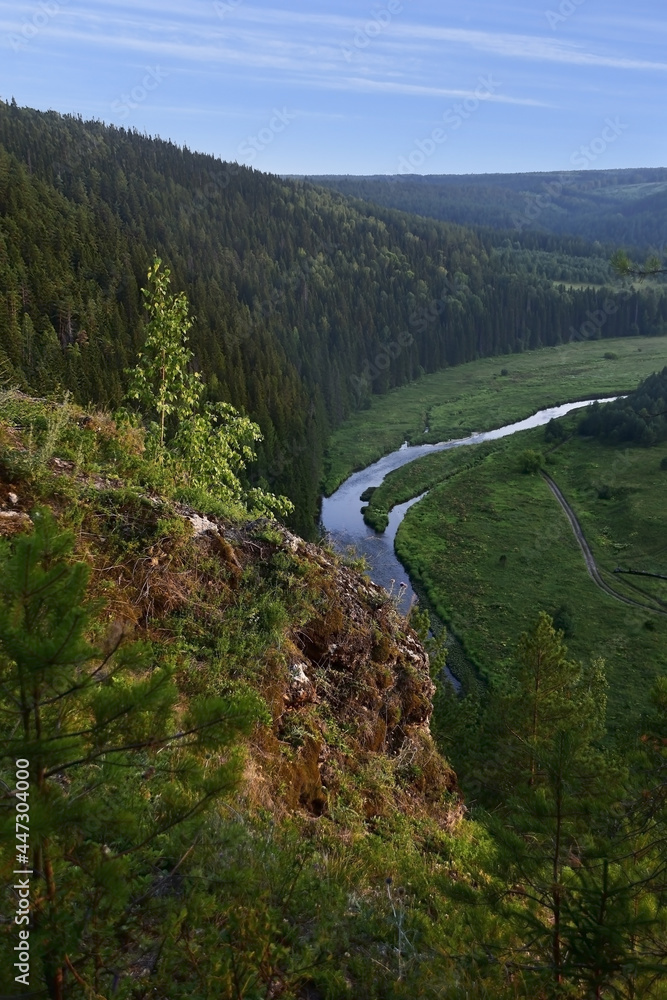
x=386 y=87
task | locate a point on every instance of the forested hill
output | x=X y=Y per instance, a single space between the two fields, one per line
x=627 y=207
x=305 y=302
x=640 y=417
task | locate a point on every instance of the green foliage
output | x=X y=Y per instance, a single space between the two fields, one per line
x=303 y=298
x=149 y=881
x=549 y=694
x=161 y=380
x=530 y=461
x=554 y=431
x=214 y=446
x=211 y=442
x=564 y=619
x=563 y=815
x=153 y=891
x=624 y=267
x=640 y=417
x=119 y=774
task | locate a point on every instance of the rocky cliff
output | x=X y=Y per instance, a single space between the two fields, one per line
x=240 y=602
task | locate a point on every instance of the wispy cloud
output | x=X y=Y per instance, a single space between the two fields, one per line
x=530 y=47
x=303 y=54
x=363 y=84
x=256 y=35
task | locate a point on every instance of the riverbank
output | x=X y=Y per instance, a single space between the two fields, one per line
x=392 y=476
x=477 y=397
x=491 y=547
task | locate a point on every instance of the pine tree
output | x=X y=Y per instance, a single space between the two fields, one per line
x=581 y=852
x=119 y=772
x=548 y=694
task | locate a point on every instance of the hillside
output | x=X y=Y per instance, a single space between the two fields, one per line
x=307 y=304
x=323 y=687
x=235 y=781
x=616 y=207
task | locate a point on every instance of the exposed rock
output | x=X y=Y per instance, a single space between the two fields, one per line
x=202 y=525
x=302 y=688
x=61 y=464
x=357 y=661
x=13 y=521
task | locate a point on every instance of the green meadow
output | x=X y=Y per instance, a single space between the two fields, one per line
x=476 y=397
x=491 y=547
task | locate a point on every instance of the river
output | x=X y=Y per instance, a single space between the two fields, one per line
x=344 y=523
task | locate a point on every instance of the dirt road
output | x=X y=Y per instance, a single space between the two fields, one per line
x=591 y=565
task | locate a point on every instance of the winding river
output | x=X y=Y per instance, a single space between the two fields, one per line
x=341 y=513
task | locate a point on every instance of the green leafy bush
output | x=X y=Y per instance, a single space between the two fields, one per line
x=530 y=461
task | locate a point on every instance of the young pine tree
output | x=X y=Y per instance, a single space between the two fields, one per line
x=582 y=853
x=120 y=773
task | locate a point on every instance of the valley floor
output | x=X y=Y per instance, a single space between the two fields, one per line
x=477 y=397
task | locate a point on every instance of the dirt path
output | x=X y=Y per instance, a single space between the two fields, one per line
x=589 y=559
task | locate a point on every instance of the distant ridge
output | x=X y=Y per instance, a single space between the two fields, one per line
x=627 y=206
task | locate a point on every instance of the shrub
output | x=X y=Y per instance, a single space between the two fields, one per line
x=563 y=620
x=554 y=431
x=530 y=461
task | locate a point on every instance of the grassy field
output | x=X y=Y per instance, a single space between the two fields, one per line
x=491 y=547
x=476 y=397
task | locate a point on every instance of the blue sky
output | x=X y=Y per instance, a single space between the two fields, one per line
x=356 y=87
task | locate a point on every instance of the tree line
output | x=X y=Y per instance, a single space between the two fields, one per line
x=640 y=417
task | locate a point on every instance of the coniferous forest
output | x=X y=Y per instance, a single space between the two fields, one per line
x=621 y=206
x=305 y=303
x=639 y=417
x=231 y=767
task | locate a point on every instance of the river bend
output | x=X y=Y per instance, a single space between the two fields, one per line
x=341 y=513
